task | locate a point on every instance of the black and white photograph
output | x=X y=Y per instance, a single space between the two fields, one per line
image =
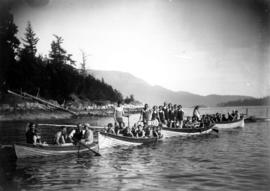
x=119 y=95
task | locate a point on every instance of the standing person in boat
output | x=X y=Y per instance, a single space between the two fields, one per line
x=155 y=116
x=146 y=115
x=171 y=115
x=180 y=116
x=196 y=113
x=31 y=134
x=119 y=114
x=161 y=115
x=60 y=136
x=166 y=112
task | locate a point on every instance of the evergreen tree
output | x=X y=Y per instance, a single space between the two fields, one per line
x=8 y=44
x=30 y=41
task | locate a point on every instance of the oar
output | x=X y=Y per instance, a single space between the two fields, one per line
x=95 y=152
x=128 y=117
x=216 y=130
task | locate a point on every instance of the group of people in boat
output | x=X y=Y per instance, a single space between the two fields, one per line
x=149 y=125
x=82 y=133
x=229 y=117
x=138 y=130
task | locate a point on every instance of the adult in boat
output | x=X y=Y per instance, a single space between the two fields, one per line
x=140 y=132
x=155 y=113
x=60 y=136
x=161 y=114
x=180 y=116
x=88 y=134
x=119 y=114
x=196 y=113
x=166 y=112
x=76 y=134
x=31 y=134
x=146 y=115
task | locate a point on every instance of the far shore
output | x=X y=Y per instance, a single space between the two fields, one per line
x=36 y=114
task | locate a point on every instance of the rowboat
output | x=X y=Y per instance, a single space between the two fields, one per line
x=231 y=124
x=24 y=150
x=171 y=132
x=106 y=140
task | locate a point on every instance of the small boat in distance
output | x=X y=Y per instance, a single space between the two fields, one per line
x=231 y=124
x=106 y=140
x=171 y=132
x=24 y=150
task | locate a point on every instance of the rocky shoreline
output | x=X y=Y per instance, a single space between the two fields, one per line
x=38 y=112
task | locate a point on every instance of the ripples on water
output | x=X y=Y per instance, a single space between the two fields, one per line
x=237 y=159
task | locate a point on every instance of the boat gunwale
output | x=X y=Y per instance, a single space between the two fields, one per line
x=50 y=147
x=130 y=139
x=230 y=122
x=188 y=130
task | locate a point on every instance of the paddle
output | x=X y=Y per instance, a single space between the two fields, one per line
x=95 y=152
x=216 y=130
x=128 y=117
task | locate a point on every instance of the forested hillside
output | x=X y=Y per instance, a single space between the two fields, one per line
x=53 y=76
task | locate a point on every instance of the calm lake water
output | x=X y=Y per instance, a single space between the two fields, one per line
x=237 y=159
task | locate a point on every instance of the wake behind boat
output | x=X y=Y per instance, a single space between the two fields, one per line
x=231 y=124
x=191 y=131
x=109 y=140
x=24 y=150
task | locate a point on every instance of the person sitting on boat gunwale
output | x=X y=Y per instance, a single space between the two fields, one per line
x=60 y=136
x=31 y=134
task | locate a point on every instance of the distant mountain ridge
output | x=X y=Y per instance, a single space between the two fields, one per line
x=129 y=84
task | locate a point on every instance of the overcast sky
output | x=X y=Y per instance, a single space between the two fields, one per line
x=200 y=46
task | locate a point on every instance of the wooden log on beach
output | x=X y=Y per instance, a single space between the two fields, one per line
x=26 y=95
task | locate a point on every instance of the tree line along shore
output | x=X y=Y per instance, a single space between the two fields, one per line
x=53 y=76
